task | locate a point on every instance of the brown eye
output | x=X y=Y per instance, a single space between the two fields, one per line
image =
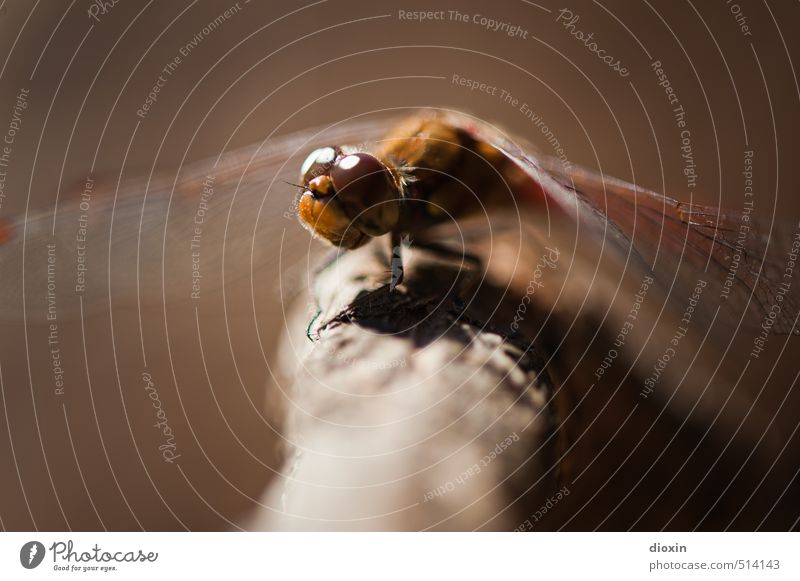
x=318 y=163
x=363 y=172
x=365 y=189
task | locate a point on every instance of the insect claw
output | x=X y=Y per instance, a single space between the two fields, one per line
x=311 y=324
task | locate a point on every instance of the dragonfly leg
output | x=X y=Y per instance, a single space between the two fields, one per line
x=327 y=263
x=396 y=265
x=311 y=324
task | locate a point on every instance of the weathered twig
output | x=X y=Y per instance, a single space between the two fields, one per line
x=413 y=414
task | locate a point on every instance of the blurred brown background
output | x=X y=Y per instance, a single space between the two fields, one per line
x=287 y=66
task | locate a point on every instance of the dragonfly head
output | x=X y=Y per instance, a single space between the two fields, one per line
x=347 y=199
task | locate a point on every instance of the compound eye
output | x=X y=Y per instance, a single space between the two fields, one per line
x=362 y=171
x=318 y=163
x=365 y=189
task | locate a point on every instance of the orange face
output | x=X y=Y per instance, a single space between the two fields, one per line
x=348 y=198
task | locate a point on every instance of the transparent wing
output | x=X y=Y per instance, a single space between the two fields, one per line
x=167 y=238
x=742 y=259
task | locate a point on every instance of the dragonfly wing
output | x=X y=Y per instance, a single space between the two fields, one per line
x=164 y=239
x=741 y=258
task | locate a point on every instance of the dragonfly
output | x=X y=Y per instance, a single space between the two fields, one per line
x=174 y=237
x=436 y=167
